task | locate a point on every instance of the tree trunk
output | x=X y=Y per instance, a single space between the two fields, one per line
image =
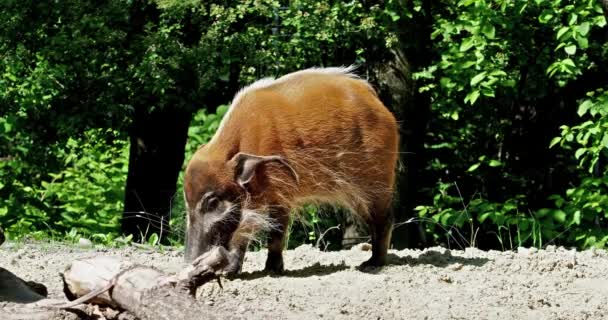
x=397 y=92
x=158 y=141
x=412 y=109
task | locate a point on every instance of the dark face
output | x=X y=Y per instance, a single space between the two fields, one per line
x=215 y=192
x=213 y=209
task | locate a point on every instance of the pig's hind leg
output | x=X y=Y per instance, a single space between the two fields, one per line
x=276 y=241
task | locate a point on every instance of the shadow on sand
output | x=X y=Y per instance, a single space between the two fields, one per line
x=14 y=289
x=431 y=257
x=435 y=258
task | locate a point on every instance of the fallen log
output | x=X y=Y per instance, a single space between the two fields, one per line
x=144 y=291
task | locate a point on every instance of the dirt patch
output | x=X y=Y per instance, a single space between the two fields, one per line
x=431 y=284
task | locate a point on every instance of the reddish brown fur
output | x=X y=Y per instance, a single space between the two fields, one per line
x=334 y=132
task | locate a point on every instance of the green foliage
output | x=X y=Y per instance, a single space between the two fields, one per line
x=89 y=192
x=450 y=217
x=499 y=74
x=202 y=129
x=83 y=198
x=590 y=138
x=493 y=57
x=317 y=225
x=73 y=67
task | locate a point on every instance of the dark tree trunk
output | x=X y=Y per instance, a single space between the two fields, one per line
x=412 y=109
x=158 y=141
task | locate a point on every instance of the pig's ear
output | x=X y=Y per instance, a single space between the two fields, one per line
x=247 y=165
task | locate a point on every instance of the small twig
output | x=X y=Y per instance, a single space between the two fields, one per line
x=464 y=206
x=57 y=82
x=323 y=234
x=399 y=224
x=442 y=227
x=87 y=296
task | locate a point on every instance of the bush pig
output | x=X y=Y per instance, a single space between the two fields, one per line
x=319 y=135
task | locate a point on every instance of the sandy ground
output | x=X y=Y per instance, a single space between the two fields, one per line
x=435 y=283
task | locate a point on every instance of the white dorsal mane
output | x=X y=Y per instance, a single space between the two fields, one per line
x=269 y=81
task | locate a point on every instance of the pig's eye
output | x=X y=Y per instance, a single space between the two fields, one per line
x=211 y=204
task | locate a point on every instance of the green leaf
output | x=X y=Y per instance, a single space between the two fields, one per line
x=573 y=18
x=472 y=97
x=559 y=215
x=553 y=68
x=576 y=218
x=495 y=163
x=545 y=16
x=488 y=92
x=579 y=153
x=394 y=15
x=571 y=49
x=67 y=217
x=153 y=240
x=562 y=31
x=90 y=222
x=467 y=44
x=7 y=127
x=3 y=211
x=484 y=216
x=478 y=78
x=523 y=8
x=604 y=142
x=11 y=77
x=542 y=212
x=584 y=107
x=465 y=3
x=583 y=28
x=498 y=73
x=445 y=218
x=569 y=137
x=474 y=167
x=221 y=110
x=224 y=77
x=569 y=62
x=582 y=42
x=489 y=31
x=555 y=141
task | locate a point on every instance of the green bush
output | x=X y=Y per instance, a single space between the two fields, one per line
x=495 y=57
x=88 y=193
x=22 y=211
x=85 y=197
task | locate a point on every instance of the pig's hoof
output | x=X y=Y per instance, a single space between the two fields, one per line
x=274 y=264
x=373 y=264
x=232 y=269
